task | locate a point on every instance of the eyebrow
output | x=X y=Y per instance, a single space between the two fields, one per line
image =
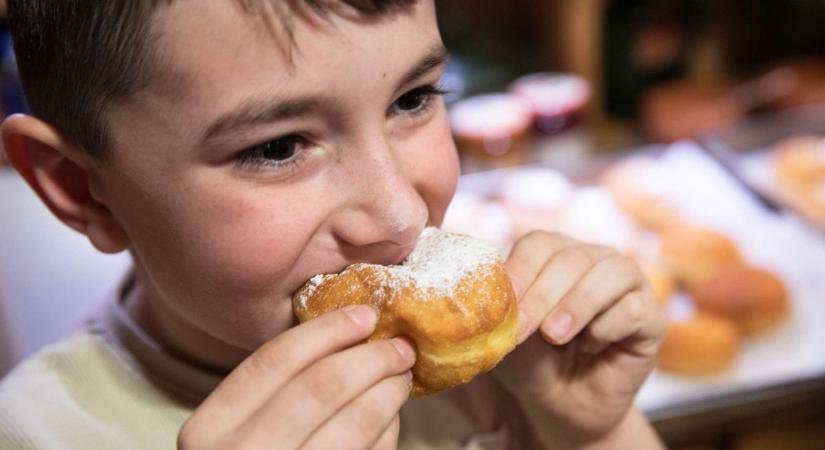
x=435 y=57
x=261 y=110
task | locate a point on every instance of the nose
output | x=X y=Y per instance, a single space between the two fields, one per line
x=382 y=214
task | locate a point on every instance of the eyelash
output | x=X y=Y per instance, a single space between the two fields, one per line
x=254 y=158
x=428 y=91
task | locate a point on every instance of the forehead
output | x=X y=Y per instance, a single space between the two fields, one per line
x=217 y=48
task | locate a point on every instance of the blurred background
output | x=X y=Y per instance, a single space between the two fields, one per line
x=690 y=134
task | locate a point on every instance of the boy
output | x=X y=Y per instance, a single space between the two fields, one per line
x=238 y=147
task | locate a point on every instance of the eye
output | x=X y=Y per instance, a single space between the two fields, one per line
x=416 y=100
x=278 y=152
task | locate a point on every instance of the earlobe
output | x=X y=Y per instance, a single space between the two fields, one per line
x=60 y=175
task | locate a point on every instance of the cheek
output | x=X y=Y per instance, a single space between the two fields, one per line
x=249 y=242
x=436 y=169
x=248 y=248
x=229 y=247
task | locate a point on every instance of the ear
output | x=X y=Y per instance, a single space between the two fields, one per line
x=64 y=179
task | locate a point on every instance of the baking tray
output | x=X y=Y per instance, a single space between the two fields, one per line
x=745 y=150
x=773 y=369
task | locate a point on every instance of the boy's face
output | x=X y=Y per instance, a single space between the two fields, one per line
x=249 y=173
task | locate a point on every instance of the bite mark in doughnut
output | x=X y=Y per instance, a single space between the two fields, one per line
x=451 y=297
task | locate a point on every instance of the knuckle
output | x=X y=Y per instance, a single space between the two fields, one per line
x=636 y=309
x=544 y=238
x=602 y=251
x=323 y=383
x=575 y=255
x=625 y=268
x=535 y=235
x=267 y=357
x=368 y=420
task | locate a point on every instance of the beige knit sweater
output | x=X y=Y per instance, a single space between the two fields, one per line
x=111 y=387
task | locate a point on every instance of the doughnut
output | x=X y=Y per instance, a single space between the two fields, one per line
x=637 y=189
x=701 y=345
x=451 y=297
x=694 y=254
x=799 y=161
x=811 y=202
x=753 y=298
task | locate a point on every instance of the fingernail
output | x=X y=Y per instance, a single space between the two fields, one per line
x=560 y=326
x=362 y=315
x=404 y=348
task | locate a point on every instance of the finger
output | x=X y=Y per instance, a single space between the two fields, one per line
x=635 y=320
x=599 y=252
x=607 y=282
x=325 y=387
x=369 y=421
x=554 y=281
x=389 y=440
x=259 y=376
x=529 y=254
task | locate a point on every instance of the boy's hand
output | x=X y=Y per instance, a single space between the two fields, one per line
x=310 y=388
x=599 y=328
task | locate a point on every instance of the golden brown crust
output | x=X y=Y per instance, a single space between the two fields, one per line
x=649 y=209
x=753 y=298
x=458 y=333
x=694 y=254
x=799 y=161
x=704 y=344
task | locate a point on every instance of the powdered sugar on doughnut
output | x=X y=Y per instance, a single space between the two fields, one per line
x=310 y=287
x=439 y=261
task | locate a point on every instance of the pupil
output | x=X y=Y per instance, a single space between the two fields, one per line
x=280 y=149
x=409 y=101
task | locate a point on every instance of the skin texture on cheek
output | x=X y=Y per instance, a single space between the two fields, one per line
x=219 y=254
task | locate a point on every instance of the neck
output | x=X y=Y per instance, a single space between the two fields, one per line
x=174 y=333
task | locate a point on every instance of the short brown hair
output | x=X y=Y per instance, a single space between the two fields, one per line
x=75 y=57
